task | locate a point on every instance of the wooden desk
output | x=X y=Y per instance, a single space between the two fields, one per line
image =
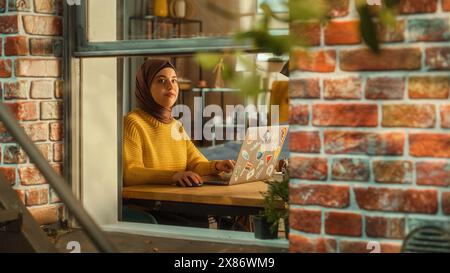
x=222 y=200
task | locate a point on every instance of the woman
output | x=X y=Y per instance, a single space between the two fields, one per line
x=152 y=153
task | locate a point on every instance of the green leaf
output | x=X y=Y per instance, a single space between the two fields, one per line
x=367 y=28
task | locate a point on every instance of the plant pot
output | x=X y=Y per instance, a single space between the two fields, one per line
x=263 y=229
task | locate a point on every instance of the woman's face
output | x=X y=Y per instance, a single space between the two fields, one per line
x=164 y=88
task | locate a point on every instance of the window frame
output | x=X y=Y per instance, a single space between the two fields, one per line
x=78 y=47
x=125 y=48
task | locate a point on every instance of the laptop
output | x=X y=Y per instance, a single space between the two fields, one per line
x=257 y=158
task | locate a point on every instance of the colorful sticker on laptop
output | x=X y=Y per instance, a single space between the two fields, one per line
x=248 y=166
x=268 y=158
x=267 y=137
x=259 y=155
x=277 y=152
x=251 y=174
x=283 y=134
x=245 y=155
x=270 y=170
x=242 y=172
x=237 y=170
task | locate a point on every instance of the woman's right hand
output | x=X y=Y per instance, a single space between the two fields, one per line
x=186 y=179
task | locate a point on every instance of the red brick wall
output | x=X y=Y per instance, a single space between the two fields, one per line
x=370 y=138
x=30 y=83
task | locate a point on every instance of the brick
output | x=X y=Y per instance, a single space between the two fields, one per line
x=9 y=173
x=446 y=5
x=313 y=61
x=445 y=116
x=303 y=244
x=304 y=88
x=51 y=110
x=304 y=142
x=16 y=46
x=306 y=32
x=5 y=137
x=45 y=215
x=56 y=131
x=58 y=152
x=388 y=34
x=350 y=115
x=429 y=87
x=58 y=89
x=30 y=176
x=343 y=223
x=346 y=88
x=37 y=131
x=432 y=145
x=346 y=246
x=58 y=168
x=5 y=68
x=36 y=196
x=350 y=169
x=446 y=202
x=397 y=200
x=383 y=227
x=433 y=174
x=46 y=47
x=438 y=58
x=299 y=115
x=411 y=116
x=42 y=89
x=45 y=6
x=24 y=111
x=13 y=154
x=309 y=221
x=417 y=6
x=19 y=5
x=308 y=168
x=341 y=142
x=396 y=172
x=16 y=90
x=21 y=195
x=385 y=88
x=42 y=25
x=339 y=8
x=342 y=33
x=387 y=59
x=38 y=68
x=9 y=24
x=320 y=195
x=44 y=148
x=429 y=30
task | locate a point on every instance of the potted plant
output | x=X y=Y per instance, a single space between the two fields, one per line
x=276 y=207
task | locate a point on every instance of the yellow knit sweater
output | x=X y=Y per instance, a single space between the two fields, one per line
x=153 y=151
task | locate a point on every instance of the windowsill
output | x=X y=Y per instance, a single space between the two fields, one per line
x=197 y=234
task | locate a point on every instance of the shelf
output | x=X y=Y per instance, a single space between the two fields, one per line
x=165 y=19
x=197 y=89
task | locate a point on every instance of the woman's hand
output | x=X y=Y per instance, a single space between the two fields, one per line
x=225 y=166
x=186 y=179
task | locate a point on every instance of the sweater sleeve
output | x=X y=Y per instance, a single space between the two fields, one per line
x=134 y=172
x=197 y=162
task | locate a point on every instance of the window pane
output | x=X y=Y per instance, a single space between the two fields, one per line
x=172 y=19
